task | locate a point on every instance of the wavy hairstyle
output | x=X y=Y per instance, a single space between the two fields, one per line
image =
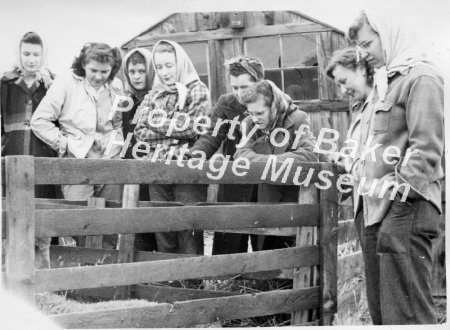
x=101 y=53
x=349 y=58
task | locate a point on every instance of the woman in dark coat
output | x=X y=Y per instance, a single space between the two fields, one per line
x=22 y=89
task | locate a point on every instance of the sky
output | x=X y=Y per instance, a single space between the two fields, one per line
x=67 y=25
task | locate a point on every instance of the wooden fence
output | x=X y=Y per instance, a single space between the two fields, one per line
x=314 y=263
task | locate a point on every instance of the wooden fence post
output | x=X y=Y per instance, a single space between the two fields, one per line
x=304 y=236
x=95 y=242
x=328 y=238
x=126 y=242
x=20 y=254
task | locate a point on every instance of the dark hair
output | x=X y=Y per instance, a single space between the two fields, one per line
x=31 y=38
x=357 y=25
x=235 y=67
x=101 y=53
x=165 y=47
x=262 y=88
x=350 y=59
x=136 y=58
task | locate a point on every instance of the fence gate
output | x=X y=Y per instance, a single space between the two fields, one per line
x=313 y=220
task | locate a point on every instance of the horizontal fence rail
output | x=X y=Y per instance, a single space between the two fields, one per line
x=51 y=223
x=177 y=269
x=132 y=171
x=57 y=219
x=190 y=313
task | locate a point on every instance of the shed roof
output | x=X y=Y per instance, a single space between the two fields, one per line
x=290 y=11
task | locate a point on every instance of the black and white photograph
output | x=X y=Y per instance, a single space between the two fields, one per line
x=223 y=164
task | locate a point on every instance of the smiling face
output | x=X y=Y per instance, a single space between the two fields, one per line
x=240 y=84
x=259 y=112
x=352 y=82
x=166 y=67
x=369 y=43
x=136 y=73
x=97 y=73
x=30 y=57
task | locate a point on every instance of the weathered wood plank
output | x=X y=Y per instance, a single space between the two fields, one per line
x=213 y=68
x=347 y=231
x=190 y=313
x=95 y=242
x=162 y=293
x=20 y=256
x=328 y=242
x=286 y=231
x=270 y=275
x=346 y=212
x=258 y=31
x=168 y=270
x=304 y=236
x=132 y=171
x=126 y=241
x=205 y=21
x=323 y=105
x=51 y=223
x=45 y=204
x=325 y=50
x=68 y=256
x=350 y=266
x=157 y=293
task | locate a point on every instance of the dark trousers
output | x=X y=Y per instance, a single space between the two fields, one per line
x=397 y=258
x=185 y=241
x=144 y=241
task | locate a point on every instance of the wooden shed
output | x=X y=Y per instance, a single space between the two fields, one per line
x=294 y=48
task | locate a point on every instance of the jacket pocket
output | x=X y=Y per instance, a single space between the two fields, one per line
x=382 y=113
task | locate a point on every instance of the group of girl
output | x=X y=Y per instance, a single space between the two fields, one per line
x=68 y=116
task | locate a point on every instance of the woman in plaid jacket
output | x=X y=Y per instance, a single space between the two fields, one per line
x=177 y=92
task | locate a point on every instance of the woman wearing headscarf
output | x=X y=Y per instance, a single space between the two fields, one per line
x=403 y=127
x=243 y=73
x=139 y=74
x=276 y=115
x=177 y=89
x=22 y=89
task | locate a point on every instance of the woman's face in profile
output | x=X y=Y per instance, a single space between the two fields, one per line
x=30 y=57
x=97 y=73
x=352 y=82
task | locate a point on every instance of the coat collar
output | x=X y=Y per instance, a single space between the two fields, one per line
x=236 y=106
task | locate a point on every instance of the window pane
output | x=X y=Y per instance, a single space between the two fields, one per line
x=299 y=50
x=267 y=49
x=197 y=52
x=302 y=84
x=273 y=75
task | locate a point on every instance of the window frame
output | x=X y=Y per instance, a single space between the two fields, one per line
x=281 y=69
